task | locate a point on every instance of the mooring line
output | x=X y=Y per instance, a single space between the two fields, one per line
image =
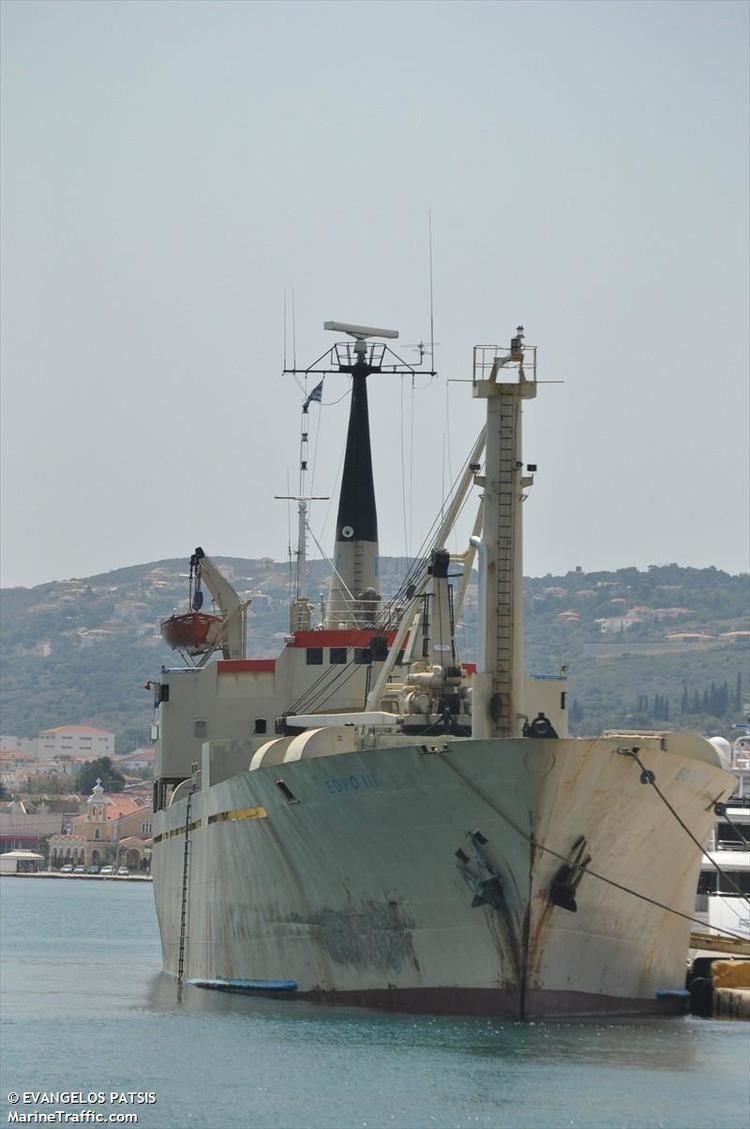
x=648 y=776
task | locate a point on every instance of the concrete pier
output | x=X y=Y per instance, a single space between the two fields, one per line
x=78 y=877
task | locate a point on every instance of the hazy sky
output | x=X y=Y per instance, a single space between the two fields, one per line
x=169 y=168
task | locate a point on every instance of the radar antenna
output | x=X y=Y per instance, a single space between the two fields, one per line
x=344 y=355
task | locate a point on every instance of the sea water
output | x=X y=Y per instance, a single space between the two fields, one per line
x=90 y=1022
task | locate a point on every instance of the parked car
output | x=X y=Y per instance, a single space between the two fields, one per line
x=78 y=870
x=107 y=870
x=92 y=870
x=123 y=870
x=67 y=869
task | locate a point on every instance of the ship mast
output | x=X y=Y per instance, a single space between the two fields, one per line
x=354 y=591
x=497 y=693
x=300 y=615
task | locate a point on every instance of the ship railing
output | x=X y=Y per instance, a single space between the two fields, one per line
x=497 y=362
x=354 y=613
x=347 y=356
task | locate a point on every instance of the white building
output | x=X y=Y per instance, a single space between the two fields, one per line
x=26 y=745
x=20 y=862
x=75 y=741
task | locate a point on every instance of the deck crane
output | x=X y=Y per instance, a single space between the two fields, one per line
x=198 y=634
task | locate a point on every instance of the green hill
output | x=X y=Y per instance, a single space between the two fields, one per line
x=667 y=647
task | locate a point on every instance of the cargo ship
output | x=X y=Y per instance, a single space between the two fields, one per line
x=366 y=819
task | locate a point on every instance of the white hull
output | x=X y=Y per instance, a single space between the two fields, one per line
x=354 y=892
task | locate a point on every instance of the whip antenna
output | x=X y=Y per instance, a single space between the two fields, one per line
x=432 y=305
x=294 y=331
x=285 y=329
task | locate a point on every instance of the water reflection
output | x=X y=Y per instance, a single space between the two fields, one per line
x=84 y=1003
x=650 y=1044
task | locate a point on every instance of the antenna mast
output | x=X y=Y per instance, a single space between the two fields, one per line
x=302 y=499
x=432 y=303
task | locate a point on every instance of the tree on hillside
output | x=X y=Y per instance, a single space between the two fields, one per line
x=86 y=777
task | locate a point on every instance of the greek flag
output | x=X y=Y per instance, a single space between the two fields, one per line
x=315 y=396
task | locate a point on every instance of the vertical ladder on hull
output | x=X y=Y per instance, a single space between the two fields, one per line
x=185 y=879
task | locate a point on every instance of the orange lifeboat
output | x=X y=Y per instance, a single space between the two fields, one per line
x=192 y=632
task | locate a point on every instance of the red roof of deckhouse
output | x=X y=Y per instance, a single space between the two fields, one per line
x=342 y=637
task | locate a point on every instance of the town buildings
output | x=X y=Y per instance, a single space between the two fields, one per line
x=110 y=829
x=25 y=829
x=59 y=751
x=75 y=741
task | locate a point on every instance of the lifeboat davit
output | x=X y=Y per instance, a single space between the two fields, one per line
x=193 y=632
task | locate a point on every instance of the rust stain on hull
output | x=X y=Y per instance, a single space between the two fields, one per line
x=506 y=936
x=375 y=935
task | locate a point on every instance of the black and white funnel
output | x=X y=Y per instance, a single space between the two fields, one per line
x=354 y=592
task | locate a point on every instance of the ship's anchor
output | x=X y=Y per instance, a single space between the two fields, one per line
x=562 y=891
x=480 y=875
